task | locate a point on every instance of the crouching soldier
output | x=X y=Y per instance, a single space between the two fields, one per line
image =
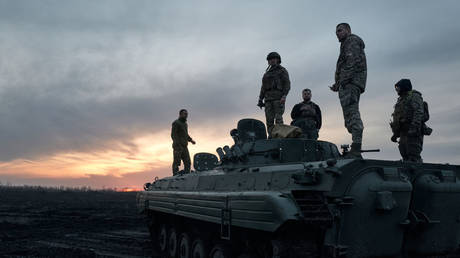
x=409 y=117
x=307 y=116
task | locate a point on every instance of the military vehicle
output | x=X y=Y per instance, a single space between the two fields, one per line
x=293 y=197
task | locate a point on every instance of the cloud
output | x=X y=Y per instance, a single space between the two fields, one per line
x=90 y=77
x=42 y=125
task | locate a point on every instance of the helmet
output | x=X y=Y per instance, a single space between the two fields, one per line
x=404 y=85
x=272 y=55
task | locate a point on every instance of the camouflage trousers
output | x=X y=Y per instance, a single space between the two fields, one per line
x=308 y=126
x=273 y=114
x=349 y=100
x=410 y=147
x=181 y=153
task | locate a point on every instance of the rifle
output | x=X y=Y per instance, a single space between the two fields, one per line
x=345 y=150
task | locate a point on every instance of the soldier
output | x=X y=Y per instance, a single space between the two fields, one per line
x=307 y=116
x=408 y=121
x=180 y=137
x=350 y=82
x=275 y=88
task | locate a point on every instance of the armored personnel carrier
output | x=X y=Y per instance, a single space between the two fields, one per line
x=294 y=197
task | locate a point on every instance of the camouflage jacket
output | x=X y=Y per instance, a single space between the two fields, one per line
x=408 y=112
x=351 y=65
x=179 y=133
x=275 y=83
x=307 y=110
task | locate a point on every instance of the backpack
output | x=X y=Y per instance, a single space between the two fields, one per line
x=426 y=112
x=426 y=116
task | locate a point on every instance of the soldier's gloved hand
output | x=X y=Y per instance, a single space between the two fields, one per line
x=261 y=104
x=394 y=138
x=412 y=132
x=283 y=100
x=334 y=87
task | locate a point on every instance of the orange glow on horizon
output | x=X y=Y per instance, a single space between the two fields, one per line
x=153 y=152
x=127 y=189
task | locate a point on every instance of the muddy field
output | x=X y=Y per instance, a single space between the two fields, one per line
x=64 y=223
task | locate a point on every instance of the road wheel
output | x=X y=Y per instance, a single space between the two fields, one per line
x=185 y=246
x=276 y=249
x=163 y=239
x=153 y=230
x=290 y=248
x=172 y=242
x=220 y=251
x=199 y=249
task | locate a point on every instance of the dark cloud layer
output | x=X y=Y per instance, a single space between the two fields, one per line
x=42 y=125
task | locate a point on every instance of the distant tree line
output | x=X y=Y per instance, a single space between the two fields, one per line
x=9 y=187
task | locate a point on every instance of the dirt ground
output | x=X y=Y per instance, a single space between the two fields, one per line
x=63 y=223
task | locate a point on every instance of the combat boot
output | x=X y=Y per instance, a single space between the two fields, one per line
x=355 y=152
x=175 y=171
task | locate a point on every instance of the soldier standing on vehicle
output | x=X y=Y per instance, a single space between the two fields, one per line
x=275 y=88
x=307 y=116
x=350 y=82
x=180 y=137
x=408 y=123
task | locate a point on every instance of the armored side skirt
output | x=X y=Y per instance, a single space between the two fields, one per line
x=264 y=211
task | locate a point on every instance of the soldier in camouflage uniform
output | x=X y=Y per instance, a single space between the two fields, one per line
x=180 y=137
x=408 y=121
x=350 y=82
x=307 y=116
x=275 y=87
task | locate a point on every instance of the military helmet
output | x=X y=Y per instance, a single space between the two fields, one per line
x=272 y=55
x=404 y=85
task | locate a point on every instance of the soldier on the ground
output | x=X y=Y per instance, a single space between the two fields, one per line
x=350 y=82
x=180 y=137
x=408 y=121
x=307 y=116
x=275 y=88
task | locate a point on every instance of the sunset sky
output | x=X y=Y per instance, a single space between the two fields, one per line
x=89 y=89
